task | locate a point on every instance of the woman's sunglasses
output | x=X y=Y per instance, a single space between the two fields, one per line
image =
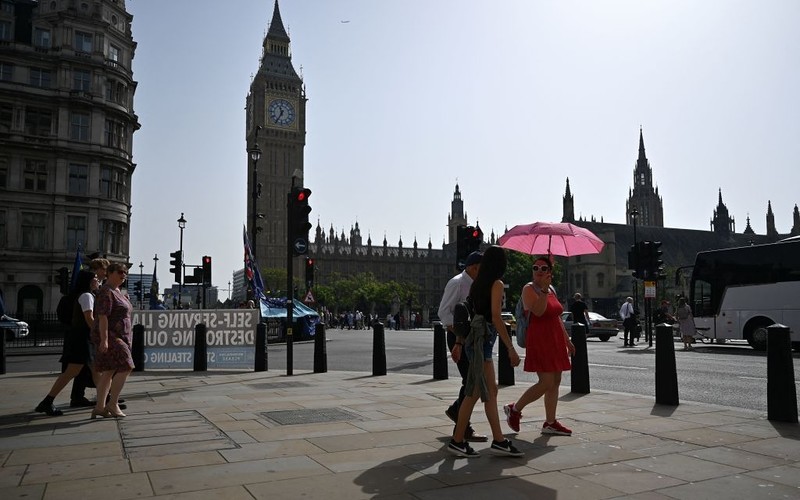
x=543 y=269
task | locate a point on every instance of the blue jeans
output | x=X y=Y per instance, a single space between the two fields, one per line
x=488 y=343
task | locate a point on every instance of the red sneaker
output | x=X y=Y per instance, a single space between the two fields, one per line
x=512 y=416
x=556 y=428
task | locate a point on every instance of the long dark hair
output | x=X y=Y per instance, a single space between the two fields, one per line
x=493 y=266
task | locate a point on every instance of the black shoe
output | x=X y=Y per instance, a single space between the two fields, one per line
x=473 y=437
x=121 y=405
x=48 y=408
x=461 y=449
x=80 y=403
x=505 y=448
x=452 y=414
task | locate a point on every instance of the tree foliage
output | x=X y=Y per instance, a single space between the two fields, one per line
x=365 y=292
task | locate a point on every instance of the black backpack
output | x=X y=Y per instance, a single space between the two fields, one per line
x=462 y=317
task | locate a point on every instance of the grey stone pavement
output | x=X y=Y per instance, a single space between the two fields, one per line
x=348 y=435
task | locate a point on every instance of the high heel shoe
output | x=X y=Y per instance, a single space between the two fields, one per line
x=100 y=413
x=115 y=412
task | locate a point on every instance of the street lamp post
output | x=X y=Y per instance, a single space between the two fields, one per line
x=141 y=286
x=255 y=154
x=181 y=225
x=634 y=215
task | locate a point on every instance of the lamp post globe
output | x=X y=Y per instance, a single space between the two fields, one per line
x=181 y=226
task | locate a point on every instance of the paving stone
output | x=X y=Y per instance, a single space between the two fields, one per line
x=706 y=437
x=175 y=461
x=40 y=455
x=121 y=486
x=623 y=477
x=274 y=449
x=785 y=474
x=375 y=439
x=75 y=469
x=736 y=487
x=229 y=493
x=736 y=458
x=683 y=467
x=364 y=459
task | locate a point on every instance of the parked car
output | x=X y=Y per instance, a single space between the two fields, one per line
x=13 y=328
x=510 y=320
x=599 y=326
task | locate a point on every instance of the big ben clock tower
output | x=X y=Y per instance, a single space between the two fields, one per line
x=276 y=124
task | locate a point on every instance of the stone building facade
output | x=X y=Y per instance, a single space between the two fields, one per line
x=66 y=125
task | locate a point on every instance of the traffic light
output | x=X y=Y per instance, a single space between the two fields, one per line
x=63 y=280
x=176 y=263
x=633 y=261
x=309 y=272
x=298 y=220
x=206 y=270
x=137 y=290
x=468 y=240
x=656 y=263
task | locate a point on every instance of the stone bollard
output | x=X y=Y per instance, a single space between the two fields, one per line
x=200 y=348
x=320 y=349
x=666 y=371
x=579 y=376
x=781 y=390
x=137 y=348
x=440 y=371
x=378 y=349
x=261 y=361
x=505 y=372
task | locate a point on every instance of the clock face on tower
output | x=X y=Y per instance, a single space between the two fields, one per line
x=280 y=112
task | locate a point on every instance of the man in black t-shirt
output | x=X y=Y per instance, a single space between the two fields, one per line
x=579 y=310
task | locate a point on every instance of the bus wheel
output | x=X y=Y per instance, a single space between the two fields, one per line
x=756 y=333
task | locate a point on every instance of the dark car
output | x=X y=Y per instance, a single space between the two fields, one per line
x=599 y=326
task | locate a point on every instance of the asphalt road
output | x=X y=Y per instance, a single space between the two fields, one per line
x=728 y=375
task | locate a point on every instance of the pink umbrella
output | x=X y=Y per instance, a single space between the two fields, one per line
x=551 y=238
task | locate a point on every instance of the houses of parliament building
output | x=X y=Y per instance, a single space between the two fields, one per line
x=276 y=118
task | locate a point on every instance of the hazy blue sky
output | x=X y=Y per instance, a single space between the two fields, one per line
x=509 y=97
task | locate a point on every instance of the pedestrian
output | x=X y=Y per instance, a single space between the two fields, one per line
x=579 y=310
x=456 y=290
x=686 y=323
x=76 y=345
x=547 y=349
x=628 y=315
x=111 y=339
x=486 y=295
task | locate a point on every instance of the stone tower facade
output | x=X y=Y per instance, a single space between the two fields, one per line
x=457 y=216
x=722 y=223
x=644 y=198
x=276 y=125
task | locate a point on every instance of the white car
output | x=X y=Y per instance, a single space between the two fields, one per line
x=599 y=326
x=13 y=328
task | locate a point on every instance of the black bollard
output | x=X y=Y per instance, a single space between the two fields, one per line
x=137 y=348
x=781 y=390
x=666 y=371
x=320 y=350
x=440 y=371
x=261 y=347
x=505 y=372
x=2 y=353
x=579 y=376
x=378 y=349
x=200 y=348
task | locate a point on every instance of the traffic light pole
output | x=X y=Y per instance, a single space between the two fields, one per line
x=289 y=281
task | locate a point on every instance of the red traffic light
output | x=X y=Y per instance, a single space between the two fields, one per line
x=206 y=260
x=310 y=262
x=302 y=195
x=476 y=234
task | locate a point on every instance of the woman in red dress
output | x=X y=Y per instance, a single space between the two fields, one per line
x=547 y=350
x=111 y=339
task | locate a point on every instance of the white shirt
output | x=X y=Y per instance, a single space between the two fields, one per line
x=626 y=310
x=456 y=290
x=86 y=300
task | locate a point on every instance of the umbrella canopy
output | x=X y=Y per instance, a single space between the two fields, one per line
x=551 y=238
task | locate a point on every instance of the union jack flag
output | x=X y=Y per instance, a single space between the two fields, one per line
x=251 y=269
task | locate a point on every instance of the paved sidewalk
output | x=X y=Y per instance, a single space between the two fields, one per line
x=347 y=435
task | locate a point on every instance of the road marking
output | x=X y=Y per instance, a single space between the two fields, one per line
x=797 y=382
x=619 y=366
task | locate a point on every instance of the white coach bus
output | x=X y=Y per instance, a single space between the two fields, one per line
x=736 y=293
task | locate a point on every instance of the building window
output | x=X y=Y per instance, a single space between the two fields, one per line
x=114 y=53
x=76 y=231
x=116 y=134
x=79 y=127
x=111 y=236
x=6 y=71
x=113 y=184
x=5 y=30
x=3 y=172
x=7 y=7
x=32 y=230
x=78 y=179
x=3 y=237
x=6 y=116
x=40 y=78
x=83 y=42
x=38 y=121
x=82 y=80
x=601 y=280
x=34 y=177
x=41 y=38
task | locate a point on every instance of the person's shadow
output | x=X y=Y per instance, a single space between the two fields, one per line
x=444 y=476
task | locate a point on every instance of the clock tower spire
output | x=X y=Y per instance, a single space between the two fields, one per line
x=276 y=123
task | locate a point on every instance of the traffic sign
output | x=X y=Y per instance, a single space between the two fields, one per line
x=300 y=246
x=649 y=289
x=309 y=298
